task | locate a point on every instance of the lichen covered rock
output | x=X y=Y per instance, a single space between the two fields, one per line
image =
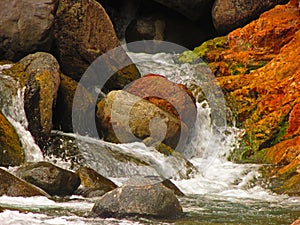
x=11 y=152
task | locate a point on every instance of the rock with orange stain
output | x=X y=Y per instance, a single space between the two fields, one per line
x=174 y=98
x=259 y=72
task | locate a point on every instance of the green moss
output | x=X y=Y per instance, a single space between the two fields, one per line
x=195 y=56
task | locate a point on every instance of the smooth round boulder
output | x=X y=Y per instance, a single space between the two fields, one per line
x=122 y=117
x=147 y=200
x=174 y=98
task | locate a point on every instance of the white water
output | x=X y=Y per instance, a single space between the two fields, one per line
x=15 y=114
x=217 y=178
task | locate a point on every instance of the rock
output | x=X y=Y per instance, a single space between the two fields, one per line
x=11 y=185
x=169 y=184
x=11 y=152
x=64 y=103
x=229 y=15
x=25 y=27
x=82 y=32
x=259 y=71
x=174 y=98
x=94 y=183
x=123 y=117
x=164 y=26
x=149 y=200
x=296 y=222
x=39 y=72
x=50 y=178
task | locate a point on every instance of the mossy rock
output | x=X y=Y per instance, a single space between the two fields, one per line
x=11 y=153
x=217 y=44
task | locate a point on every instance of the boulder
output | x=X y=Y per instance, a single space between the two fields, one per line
x=25 y=27
x=11 y=152
x=11 y=185
x=230 y=14
x=39 y=73
x=64 y=104
x=50 y=178
x=148 y=200
x=82 y=32
x=122 y=117
x=296 y=222
x=93 y=184
x=174 y=98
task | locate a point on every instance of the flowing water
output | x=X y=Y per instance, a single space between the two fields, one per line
x=220 y=192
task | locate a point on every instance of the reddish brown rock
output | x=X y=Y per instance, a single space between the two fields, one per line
x=171 y=97
x=297 y=222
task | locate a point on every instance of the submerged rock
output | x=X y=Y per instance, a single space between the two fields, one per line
x=149 y=200
x=229 y=15
x=11 y=185
x=11 y=152
x=93 y=184
x=25 y=27
x=50 y=178
x=123 y=117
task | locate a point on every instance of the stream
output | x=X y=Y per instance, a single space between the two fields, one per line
x=221 y=192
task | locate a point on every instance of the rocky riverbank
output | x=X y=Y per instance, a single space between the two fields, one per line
x=46 y=47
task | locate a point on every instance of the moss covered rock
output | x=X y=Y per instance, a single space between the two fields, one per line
x=39 y=73
x=11 y=152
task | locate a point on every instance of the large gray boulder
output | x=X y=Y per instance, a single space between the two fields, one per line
x=50 y=178
x=25 y=27
x=146 y=200
x=230 y=14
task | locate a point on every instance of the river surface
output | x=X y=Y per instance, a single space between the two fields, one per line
x=221 y=192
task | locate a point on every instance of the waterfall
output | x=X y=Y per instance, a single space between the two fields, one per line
x=12 y=106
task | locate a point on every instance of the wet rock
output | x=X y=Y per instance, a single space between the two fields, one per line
x=123 y=117
x=11 y=152
x=64 y=104
x=11 y=185
x=25 y=27
x=169 y=184
x=148 y=200
x=50 y=178
x=229 y=15
x=93 y=184
x=82 y=32
x=174 y=98
x=39 y=73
